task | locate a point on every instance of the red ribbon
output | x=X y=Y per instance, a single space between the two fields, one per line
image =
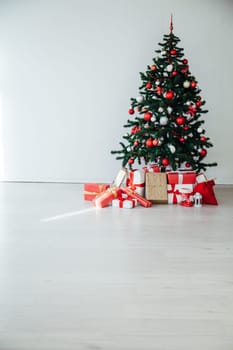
x=143 y=201
x=121 y=202
x=175 y=192
x=130 y=182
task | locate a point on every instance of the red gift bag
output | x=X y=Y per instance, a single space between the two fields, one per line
x=206 y=190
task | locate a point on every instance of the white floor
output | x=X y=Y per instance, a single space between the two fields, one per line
x=76 y=278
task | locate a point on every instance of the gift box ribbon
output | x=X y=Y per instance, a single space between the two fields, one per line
x=114 y=191
x=91 y=193
x=175 y=192
x=143 y=201
x=121 y=202
x=130 y=180
x=101 y=188
x=181 y=178
x=179 y=192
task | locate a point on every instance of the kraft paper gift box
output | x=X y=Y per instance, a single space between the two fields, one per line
x=91 y=190
x=156 y=187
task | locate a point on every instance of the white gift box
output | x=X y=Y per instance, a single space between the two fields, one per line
x=136 y=181
x=175 y=192
x=201 y=178
x=124 y=203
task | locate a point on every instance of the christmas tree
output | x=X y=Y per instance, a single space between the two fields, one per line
x=167 y=127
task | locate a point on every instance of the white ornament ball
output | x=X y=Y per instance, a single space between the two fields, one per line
x=169 y=68
x=153 y=119
x=169 y=109
x=172 y=148
x=186 y=84
x=163 y=121
x=160 y=110
x=157 y=82
x=139 y=98
x=199 y=130
x=163 y=52
x=188 y=103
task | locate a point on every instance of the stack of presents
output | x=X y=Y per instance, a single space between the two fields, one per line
x=148 y=186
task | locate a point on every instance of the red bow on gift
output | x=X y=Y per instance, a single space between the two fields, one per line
x=130 y=182
x=175 y=192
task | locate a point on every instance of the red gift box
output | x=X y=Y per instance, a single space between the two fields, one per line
x=143 y=201
x=91 y=190
x=105 y=198
x=181 y=177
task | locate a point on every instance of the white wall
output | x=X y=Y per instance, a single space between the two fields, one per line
x=68 y=69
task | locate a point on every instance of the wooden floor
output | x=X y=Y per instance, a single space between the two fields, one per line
x=76 y=278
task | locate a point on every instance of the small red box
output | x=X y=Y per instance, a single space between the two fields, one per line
x=91 y=190
x=181 y=177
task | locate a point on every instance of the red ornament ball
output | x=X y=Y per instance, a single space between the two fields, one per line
x=131 y=161
x=198 y=103
x=149 y=143
x=182 y=139
x=147 y=116
x=148 y=85
x=155 y=142
x=131 y=111
x=165 y=161
x=159 y=90
x=185 y=128
x=203 y=138
x=173 y=52
x=185 y=69
x=180 y=120
x=193 y=84
x=153 y=67
x=203 y=152
x=188 y=165
x=185 y=61
x=136 y=143
x=169 y=95
x=174 y=73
